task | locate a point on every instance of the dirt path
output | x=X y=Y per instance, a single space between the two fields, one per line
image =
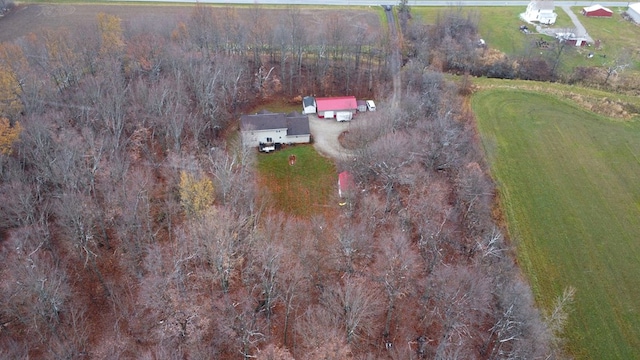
x=394 y=58
x=325 y=137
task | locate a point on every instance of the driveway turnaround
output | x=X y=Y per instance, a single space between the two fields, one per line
x=325 y=134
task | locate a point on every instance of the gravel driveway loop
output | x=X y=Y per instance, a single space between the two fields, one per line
x=325 y=136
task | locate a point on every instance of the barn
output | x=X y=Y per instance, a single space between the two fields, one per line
x=597 y=11
x=341 y=108
x=634 y=12
x=267 y=130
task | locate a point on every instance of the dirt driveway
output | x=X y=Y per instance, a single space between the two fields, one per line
x=325 y=134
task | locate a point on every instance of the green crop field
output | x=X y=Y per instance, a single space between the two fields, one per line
x=302 y=189
x=569 y=186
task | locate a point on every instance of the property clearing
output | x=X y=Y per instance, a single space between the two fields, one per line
x=305 y=188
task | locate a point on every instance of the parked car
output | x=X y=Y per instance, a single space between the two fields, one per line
x=371 y=106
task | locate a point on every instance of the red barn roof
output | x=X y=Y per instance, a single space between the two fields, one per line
x=597 y=11
x=336 y=103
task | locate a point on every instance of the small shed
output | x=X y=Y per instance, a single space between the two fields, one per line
x=342 y=108
x=634 y=12
x=346 y=184
x=596 y=11
x=362 y=105
x=308 y=105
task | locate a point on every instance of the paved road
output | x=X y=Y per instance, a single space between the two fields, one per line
x=393 y=2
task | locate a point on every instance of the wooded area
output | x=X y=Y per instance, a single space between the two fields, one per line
x=133 y=227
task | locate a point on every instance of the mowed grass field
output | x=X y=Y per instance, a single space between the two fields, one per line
x=303 y=189
x=569 y=182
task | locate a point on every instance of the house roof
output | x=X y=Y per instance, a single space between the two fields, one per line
x=635 y=7
x=336 y=103
x=543 y=4
x=596 y=7
x=263 y=120
x=295 y=123
x=308 y=101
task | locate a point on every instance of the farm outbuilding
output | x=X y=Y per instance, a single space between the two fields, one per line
x=634 y=12
x=362 y=105
x=308 y=105
x=341 y=108
x=597 y=11
x=267 y=130
x=346 y=184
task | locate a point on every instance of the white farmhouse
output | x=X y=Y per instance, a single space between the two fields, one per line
x=267 y=130
x=540 y=11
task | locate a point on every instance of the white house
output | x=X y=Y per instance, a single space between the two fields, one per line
x=308 y=105
x=540 y=11
x=634 y=12
x=267 y=130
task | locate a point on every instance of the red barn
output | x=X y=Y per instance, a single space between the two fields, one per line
x=342 y=108
x=597 y=11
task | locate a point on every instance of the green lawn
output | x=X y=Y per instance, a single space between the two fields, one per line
x=498 y=26
x=617 y=35
x=280 y=106
x=303 y=189
x=568 y=181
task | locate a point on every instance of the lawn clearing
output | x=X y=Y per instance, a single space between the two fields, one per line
x=568 y=181
x=280 y=106
x=618 y=37
x=303 y=189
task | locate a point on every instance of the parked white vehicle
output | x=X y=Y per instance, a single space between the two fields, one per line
x=344 y=116
x=371 y=106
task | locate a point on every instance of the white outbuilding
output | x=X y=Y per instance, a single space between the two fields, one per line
x=634 y=12
x=308 y=105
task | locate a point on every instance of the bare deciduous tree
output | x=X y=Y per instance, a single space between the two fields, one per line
x=396 y=269
x=355 y=307
x=461 y=299
x=35 y=289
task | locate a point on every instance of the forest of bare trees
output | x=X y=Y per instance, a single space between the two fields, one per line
x=133 y=227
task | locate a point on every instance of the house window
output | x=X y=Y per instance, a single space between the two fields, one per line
x=269 y=139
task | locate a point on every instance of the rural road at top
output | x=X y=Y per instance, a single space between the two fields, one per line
x=391 y=2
